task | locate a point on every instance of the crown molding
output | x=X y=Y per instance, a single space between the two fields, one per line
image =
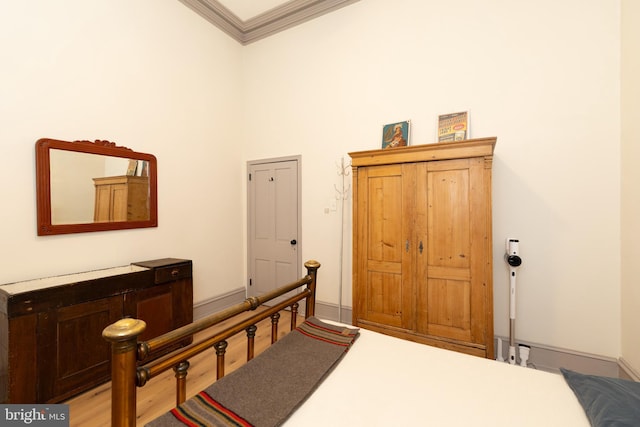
x=279 y=18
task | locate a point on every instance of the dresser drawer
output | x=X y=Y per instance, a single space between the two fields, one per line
x=168 y=269
x=173 y=272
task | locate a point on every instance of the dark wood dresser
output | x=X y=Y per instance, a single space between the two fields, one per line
x=51 y=344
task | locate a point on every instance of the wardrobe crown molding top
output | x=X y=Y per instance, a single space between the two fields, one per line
x=479 y=147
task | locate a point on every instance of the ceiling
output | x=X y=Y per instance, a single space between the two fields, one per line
x=251 y=20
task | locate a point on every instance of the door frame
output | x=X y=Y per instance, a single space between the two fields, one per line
x=298 y=160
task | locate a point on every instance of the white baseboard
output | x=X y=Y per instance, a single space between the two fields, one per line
x=548 y=358
x=329 y=311
x=627 y=369
x=216 y=304
x=205 y=308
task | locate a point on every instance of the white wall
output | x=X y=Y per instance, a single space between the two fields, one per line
x=541 y=76
x=150 y=75
x=630 y=182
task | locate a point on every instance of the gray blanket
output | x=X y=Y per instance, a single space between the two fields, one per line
x=267 y=390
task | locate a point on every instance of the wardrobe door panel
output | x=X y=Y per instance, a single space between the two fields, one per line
x=449 y=210
x=452 y=297
x=385 y=194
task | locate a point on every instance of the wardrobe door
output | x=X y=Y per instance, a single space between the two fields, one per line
x=386 y=199
x=451 y=226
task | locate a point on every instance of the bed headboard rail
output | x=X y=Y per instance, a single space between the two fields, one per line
x=156 y=367
x=126 y=351
x=176 y=335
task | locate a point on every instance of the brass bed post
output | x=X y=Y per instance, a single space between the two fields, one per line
x=275 y=317
x=181 y=370
x=294 y=315
x=123 y=336
x=251 y=340
x=221 y=349
x=312 y=270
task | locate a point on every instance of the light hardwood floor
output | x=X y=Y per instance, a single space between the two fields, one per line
x=93 y=408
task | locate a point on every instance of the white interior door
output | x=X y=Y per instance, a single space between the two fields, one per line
x=274 y=224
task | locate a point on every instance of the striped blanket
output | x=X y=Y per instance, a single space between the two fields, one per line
x=270 y=387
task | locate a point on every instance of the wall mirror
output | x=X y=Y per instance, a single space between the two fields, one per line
x=84 y=186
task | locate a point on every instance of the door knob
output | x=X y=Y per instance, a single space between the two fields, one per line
x=293 y=242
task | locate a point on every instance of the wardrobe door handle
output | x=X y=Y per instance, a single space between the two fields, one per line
x=406 y=245
x=421 y=247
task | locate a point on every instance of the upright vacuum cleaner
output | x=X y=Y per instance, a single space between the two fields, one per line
x=512 y=258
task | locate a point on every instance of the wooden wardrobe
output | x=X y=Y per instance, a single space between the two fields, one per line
x=121 y=198
x=422 y=248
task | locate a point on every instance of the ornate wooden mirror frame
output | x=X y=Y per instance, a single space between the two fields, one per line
x=92 y=164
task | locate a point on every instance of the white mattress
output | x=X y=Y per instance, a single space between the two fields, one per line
x=385 y=381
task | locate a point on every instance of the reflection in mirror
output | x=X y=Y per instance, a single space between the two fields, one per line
x=93 y=186
x=83 y=187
